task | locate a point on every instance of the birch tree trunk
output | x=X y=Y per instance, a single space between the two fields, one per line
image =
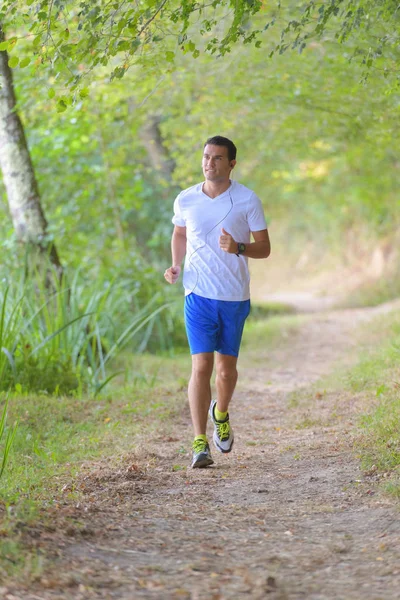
x=18 y=175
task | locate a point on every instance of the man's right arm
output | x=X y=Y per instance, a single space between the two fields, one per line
x=178 y=249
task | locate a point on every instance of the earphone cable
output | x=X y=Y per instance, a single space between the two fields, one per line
x=205 y=243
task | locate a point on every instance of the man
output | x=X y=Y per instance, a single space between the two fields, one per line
x=213 y=221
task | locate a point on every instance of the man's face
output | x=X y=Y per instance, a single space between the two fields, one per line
x=216 y=164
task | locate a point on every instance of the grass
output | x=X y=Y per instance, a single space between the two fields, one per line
x=62 y=338
x=266 y=332
x=261 y=311
x=8 y=438
x=378 y=376
x=374 y=383
x=55 y=437
x=55 y=433
x=374 y=292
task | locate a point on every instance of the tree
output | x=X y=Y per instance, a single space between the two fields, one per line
x=19 y=178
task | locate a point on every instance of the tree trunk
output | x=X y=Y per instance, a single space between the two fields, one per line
x=18 y=175
x=152 y=141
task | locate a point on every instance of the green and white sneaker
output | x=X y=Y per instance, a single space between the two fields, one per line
x=201 y=455
x=223 y=434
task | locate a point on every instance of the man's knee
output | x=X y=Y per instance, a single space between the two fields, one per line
x=202 y=366
x=227 y=373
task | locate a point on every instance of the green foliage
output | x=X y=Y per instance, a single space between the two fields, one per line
x=371 y=25
x=314 y=144
x=62 y=341
x=74 y=38
x=8 y=439
x=9 y=328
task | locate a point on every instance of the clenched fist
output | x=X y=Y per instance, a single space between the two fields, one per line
x=172 y=274
x=227 y=243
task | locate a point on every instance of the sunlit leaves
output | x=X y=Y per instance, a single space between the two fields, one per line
x=13 y=62
x=372 y=25
x=84 y=92
x=73 y=38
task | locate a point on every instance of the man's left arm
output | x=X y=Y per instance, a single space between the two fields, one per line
x=260 y=248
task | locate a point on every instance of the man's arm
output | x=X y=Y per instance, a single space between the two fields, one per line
x=178 y=249
x=260 y=248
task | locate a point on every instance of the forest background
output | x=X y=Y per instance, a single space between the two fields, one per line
x=115 y=126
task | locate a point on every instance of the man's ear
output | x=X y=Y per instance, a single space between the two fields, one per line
x=233 y=163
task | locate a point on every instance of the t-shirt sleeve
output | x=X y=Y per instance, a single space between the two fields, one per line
x=255 y=214
x=178 y=219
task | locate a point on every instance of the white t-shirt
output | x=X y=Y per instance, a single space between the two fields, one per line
x=209 y=271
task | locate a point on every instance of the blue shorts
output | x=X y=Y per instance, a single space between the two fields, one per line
x=215 y=325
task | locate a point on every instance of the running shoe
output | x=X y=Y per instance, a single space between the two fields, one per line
x=201 y=455
x=223 y=434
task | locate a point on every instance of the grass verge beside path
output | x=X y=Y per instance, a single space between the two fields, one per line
x=371 y=389
x=56 y=435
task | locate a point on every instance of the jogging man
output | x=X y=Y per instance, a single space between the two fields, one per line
x=213 y=222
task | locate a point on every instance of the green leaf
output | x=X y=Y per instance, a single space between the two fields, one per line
x=3 y=46
x=13 y=62
x=51 y=93
x=84 y=92
x=170 y=56
x=25 y=62
x=11 y=42
x=61 y=106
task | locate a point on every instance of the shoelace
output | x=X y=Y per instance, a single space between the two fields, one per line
x=199 y=446
x=223 y=431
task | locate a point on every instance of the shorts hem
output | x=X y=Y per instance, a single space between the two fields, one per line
x=228 y=353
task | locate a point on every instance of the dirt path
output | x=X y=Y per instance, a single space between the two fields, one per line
x=288 y=515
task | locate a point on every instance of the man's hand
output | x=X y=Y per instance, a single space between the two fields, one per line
x=227 y=243
x=172 y=274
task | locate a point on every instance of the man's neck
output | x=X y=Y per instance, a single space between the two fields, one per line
x=214 y=188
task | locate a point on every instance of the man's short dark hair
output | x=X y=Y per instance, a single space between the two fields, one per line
x=218 y=140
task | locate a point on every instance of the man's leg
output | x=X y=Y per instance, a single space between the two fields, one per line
x=225 y=380
x=200 y=390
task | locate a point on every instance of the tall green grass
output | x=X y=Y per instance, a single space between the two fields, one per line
x=62 y=338
x=9 y=438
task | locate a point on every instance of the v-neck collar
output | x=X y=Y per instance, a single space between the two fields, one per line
x=219 y=195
